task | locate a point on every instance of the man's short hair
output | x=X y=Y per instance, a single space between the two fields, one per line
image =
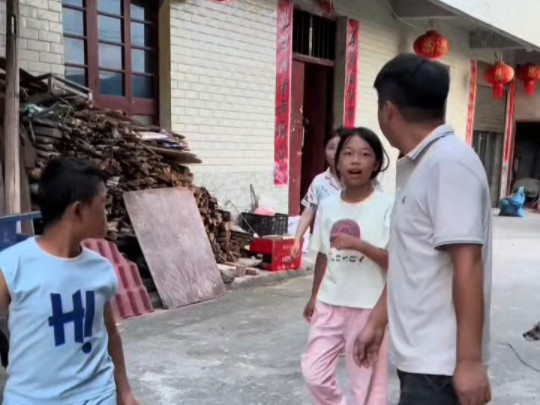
x=417 y=86
x=64 y=182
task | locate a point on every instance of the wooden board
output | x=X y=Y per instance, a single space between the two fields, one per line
x=173 y=240
x=179 y=155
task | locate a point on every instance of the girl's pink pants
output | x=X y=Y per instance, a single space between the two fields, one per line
x=333 y=332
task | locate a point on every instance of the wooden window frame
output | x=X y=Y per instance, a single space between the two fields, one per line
x=128 y=103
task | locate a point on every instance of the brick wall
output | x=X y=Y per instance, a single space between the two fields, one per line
x=223 y=96
x=41 y=43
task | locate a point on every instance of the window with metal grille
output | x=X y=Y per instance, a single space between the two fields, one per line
x=314 y=36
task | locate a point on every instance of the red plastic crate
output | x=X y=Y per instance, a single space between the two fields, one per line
x=276 y=253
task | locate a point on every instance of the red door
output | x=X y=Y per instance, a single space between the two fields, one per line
x=317 y=121
x=297 y=135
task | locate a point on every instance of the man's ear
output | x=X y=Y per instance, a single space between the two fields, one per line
x=391 y=110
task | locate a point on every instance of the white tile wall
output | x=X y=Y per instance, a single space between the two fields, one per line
x=381 y=38
x=41 y=43
x=223 y=78
x=223 y=93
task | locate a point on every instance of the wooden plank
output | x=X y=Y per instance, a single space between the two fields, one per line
x=27 y=161
x=173 y=240
x=27 y=227
x=12 y=180
x=179 y=155
x=46 y=131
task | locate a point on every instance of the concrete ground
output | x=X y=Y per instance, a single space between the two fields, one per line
x=244 y=348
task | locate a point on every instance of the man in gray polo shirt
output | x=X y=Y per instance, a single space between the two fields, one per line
x=439 y=278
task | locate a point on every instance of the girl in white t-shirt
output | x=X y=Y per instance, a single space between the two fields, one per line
x=323 y=185
x=350 y=237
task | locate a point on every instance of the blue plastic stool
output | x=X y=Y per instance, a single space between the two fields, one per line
x=8 y=228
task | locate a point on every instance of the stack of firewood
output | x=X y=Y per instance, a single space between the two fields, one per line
x=226 y=239
x=133 y=156
x=114 y=144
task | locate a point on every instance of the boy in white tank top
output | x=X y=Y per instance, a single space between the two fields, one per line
x=65 y=348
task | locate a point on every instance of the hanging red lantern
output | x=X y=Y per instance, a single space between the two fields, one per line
x=499 y=75
x=431 y=45
x=529 y=74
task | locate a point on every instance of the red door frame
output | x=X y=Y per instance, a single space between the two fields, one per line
x=297 y=135
x=508 y=158
x=473 y=88
x=284 y=63
x=283 y=92
x=351 y=71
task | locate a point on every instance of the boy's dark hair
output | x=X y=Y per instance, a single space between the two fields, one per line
x=371 y=139
x=417 y=86
x=64 y=182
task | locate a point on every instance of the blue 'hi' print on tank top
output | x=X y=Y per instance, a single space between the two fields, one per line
x=58 y=340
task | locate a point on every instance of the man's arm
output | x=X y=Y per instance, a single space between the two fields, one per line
x=368 y=343
x=116 y=351
x=468 y=291
x=470 y=378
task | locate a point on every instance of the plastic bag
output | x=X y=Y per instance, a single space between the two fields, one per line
x=512 y=206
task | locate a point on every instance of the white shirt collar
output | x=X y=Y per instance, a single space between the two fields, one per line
x=439 y=132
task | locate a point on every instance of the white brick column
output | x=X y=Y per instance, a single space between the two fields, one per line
x=42 y=49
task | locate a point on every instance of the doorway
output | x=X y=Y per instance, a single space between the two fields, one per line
x=312 y=86
x=526 y=162
x=488 y=135
x=489 y=147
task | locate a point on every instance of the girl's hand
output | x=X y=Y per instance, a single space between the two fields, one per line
x=297 y=247
x=309 y=309
x=342 y=241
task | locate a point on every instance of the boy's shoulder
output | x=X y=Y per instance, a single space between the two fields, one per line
x=17 y=250
x=95 y=258
x=29 y=247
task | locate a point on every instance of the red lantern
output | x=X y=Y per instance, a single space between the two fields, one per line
x=499 y=75
x=529 y=74
x=431 y=45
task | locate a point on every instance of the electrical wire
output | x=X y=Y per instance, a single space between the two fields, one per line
x=394 y=14
x=521 y=359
